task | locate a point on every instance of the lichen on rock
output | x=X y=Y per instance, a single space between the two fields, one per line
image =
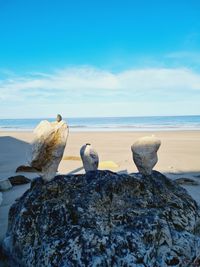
x=103 y=218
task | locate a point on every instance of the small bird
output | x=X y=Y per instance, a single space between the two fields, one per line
x=89 y=158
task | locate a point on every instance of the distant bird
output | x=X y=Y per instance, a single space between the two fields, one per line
x=89 y=158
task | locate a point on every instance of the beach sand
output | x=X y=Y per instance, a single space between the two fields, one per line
x=179 y=156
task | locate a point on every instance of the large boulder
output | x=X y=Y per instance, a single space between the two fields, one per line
x=103 y=218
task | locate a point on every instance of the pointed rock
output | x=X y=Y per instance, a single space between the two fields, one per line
x=19 y=179
x=47 y=148
x=89 y=158
x=144 y=152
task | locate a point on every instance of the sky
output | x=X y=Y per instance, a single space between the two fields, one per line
x=96 y=58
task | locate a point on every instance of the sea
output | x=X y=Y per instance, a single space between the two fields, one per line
x=148 y=123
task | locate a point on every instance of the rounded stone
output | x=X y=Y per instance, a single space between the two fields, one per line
x=144 y=152
x=58 y=118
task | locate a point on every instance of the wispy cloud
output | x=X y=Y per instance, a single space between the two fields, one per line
x=185 y=55
x=91 y=79
x=91 y=85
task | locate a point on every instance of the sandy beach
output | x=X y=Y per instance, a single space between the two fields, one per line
x=179 y=151
x=179 y=156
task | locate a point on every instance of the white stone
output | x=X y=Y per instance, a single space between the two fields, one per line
x=48 y=147
x=1 y=198
x=5 y=185
x=144 y=152
x=89 y=158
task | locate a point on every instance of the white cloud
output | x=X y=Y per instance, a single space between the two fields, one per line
x=75 y=86
x=160 y=79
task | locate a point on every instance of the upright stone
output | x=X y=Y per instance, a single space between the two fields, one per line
x=144 y=152
x=47 y=148
x=59 y=118
x=89 y=158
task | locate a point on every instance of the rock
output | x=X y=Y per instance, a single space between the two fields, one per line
x=186 y=181
x=24 y=168
x=103 y=218
x=89 y=158
x=5 y=185
x=144 y=152
x=1 y=198
x=19 y=179
x=47 y=149
x=59 y=118
x=3 y=259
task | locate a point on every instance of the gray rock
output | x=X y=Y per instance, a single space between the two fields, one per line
x=144 y=152
x=103 y=218
x=89 y=158
x=19 y=179
x=1 y=198
x=5 y=185
x=186 y=181
x=59 y=118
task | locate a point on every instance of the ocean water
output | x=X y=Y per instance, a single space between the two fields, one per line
x=111 y=123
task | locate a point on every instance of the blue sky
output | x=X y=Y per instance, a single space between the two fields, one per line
x=99 y=58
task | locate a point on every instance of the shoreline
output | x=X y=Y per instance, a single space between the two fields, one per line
x=107 y=129
x=116 y=123
x=100 y=130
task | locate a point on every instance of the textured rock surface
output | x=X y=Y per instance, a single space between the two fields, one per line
x=89 y=158
x=104 y=219
x=47 y=149
x=5 y=185
x=186 y=181
x=19 y=179
x=144 y=152
x=1 y=198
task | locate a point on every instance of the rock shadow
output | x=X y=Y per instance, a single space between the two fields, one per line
x=13 y=152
